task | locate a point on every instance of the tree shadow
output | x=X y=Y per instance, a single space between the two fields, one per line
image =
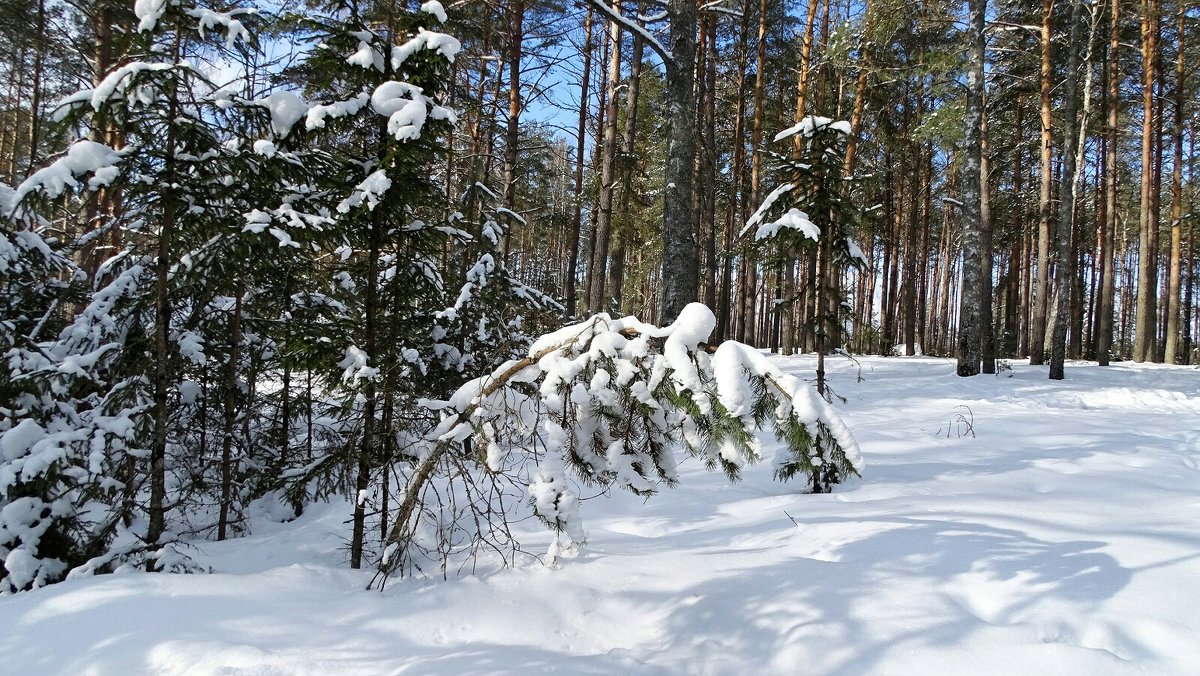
x=838 y=616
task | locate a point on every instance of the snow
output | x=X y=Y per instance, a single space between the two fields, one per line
x=355 y=365
x=1052 y=531
x=317 y=114
x=370 y=190
x=693 y=326
x=148 y=13
x=446 y=45
x=794 y=219
x=264 y=148
x=191 y=347
x=118 y=81
x=765 y=207
x=366 y=57
x=234 y=29
x=81 y=158
x=811 y=124
x=17 y=441
x=403 y=105
x=856 y=252
x=435 y=8
x=286 y=109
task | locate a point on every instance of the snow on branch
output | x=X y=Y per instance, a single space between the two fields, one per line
x=812 y=124
x=715 y=6
x=84 y=157
x=608 y=402
x=630 y=25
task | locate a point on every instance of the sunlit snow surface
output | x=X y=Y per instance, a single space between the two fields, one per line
x=1062 y=538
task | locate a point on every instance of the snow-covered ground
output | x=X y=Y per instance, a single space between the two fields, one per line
x=1061 y=537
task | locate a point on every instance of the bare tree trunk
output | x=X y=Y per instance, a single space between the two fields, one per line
x=1037 y=354
x=598 y=270
x=35 y=102
x=230 y=416
x=1012 y=314
x=1105 y=334
x=1144 y=324
x=987 y=327
x=679 y=279
x=1191 y=254
x=1171 y=354
x=749 y=262
x=580 y=140
x=969 y=351
x=1066 y=230
x=725 y=295
x=512 y=132
x=628 y=164
x=708 y=150
x=805 y=64
x=924 y=307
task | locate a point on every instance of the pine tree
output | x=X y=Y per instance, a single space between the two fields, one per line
x=817 y=191
x=108 y=437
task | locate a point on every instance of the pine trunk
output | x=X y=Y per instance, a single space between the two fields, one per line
x=1147 y=282
x=679 y=279
x=1042 y=289
x=1104 y=337
x=969 y=350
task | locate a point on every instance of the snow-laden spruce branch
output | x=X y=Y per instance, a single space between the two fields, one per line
x=609 y=401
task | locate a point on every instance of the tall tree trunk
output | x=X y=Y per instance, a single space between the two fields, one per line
x=230 y=416
x=725 y=292
x=163 y=359
x=805 y=66
x=1147 y=284
x=512 y=132
x=628 y=165
x=679 y=279
x=749 y=265
x=1012 y=314
x=1189 y=288
x=1064 y=273
x=969 y=352
x=1171 y=354
x=987 y=328
x=706 y=217
x=580 y=140
x=598 y=270
x=35 y=101
x=1037 y=354
x=1105 y=334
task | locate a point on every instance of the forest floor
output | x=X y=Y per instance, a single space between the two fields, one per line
x=1004 y=525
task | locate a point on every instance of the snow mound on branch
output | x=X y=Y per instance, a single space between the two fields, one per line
x=614 y=396
x=317 y=114
x=446 y=45
x=148 y=13
x=82 y=157
x=286 y=108
x=435 y=8
x=404 y=106
x=117 y=83
x=812 y=124
x=769 y=202
x=234 y=29
x=794 y=219
x=371 y=190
